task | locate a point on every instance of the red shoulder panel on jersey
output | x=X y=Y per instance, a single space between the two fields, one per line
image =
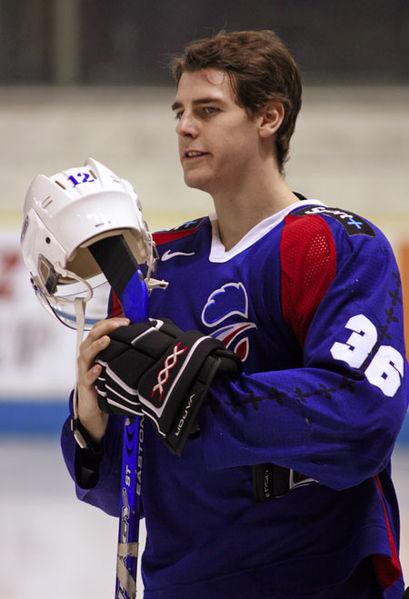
x=166 y=236
x=308 y=267
x=185 y=230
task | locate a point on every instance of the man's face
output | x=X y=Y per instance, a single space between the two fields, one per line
x=218 y=141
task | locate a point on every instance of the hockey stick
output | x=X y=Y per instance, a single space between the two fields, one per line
x=122 y=272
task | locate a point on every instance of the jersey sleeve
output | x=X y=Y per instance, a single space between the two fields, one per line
x=334 y=417
x=97 y=479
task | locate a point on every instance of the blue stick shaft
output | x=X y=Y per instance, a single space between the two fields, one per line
x=134 y=302
x=121 y=269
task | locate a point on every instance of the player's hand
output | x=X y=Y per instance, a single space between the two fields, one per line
x=157 y=370
x=89 y=413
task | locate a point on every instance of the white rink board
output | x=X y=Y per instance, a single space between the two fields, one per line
x=37 y=353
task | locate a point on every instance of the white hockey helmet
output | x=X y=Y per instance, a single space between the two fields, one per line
x=63 y=215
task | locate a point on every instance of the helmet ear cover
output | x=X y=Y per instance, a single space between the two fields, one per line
x=48 y=275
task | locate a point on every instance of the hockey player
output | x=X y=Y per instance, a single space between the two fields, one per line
x=275 y=481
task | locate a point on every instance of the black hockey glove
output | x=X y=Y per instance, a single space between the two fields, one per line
x=157 y=370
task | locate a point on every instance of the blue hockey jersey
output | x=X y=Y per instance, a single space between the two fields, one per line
x=311 y=301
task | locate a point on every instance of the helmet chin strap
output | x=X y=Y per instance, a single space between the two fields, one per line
x=79 y=304
x=68 y=274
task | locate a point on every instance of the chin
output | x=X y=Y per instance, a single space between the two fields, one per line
x=196 y=182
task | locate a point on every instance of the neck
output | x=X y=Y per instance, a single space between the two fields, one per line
x=252 y=201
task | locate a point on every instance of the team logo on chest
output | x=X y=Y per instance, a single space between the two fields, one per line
x=229 y=302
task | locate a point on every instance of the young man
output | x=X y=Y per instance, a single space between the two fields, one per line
x=283 y=489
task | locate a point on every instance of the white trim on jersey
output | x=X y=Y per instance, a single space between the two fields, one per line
x=218 y=252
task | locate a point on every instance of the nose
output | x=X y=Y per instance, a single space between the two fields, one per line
x=187 y=125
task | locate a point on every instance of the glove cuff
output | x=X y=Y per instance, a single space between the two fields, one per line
x=187 y=416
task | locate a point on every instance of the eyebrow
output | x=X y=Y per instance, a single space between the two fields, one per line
x=200 y=101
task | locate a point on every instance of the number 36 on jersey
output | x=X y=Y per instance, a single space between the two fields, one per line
x=385 y=369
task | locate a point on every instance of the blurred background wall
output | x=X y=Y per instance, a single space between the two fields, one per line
x=83 y=78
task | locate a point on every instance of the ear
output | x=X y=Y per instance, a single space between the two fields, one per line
x=271 y=116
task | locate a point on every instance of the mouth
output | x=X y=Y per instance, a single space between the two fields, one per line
x=192 y=155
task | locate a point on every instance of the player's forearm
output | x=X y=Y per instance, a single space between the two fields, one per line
x=95 y=422
x=338 y=431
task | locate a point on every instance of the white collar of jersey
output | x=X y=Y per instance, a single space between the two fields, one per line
x=218 y=252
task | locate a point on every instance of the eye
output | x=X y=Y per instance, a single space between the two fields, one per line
x=178 y=114
x=210 y=110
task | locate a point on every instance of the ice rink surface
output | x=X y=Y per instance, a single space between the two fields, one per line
x=52 y=545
